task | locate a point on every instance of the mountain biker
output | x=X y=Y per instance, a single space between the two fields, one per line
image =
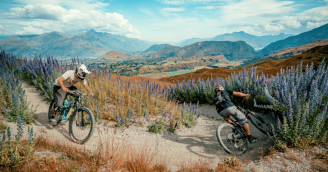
x=65 y=83
x=226 y=109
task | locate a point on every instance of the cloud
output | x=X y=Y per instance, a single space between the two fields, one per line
x=182 y=2
x=207 y=7
x=270 y=17
x=30 y=29
x=41 y=16
x=249 y=8
x=314 y=24
x=85 y=5
x=173 y=9
x=1 y=27
x=273 y=27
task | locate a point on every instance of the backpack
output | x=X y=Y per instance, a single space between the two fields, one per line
x=219 y=98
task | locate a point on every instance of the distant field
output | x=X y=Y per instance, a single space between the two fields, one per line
x=179 y=72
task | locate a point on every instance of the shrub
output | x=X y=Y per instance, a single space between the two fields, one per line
x=188 y=120
x=299 y=99
x=17 y=151
x=12 y=96
x=173 y=125
x=157 y=127
x=304 y=98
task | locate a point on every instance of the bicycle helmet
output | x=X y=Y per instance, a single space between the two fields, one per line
x=219 y=87
x=82 y=71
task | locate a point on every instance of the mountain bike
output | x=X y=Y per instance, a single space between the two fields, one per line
x=232 y=136
x=81 y=119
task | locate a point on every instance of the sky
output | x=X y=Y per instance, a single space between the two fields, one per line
x=162 y=20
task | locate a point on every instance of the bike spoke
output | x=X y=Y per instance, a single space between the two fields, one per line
x=232 y=139
x=81 y=127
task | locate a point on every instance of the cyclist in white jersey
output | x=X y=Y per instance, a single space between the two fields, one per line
x=65 y=83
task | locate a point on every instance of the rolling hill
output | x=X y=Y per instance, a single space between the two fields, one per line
x=270 y=67
x=155 y=47
x=114 y=56
x=231 y=50
x=297 y=40
x=252 y=40
x=287 y=52
x=167 y=51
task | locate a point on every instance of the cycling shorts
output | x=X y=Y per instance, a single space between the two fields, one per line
x=235 y=113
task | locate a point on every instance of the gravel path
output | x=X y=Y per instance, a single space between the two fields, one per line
x=186 y=145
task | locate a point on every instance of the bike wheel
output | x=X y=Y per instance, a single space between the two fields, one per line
x=232 y=139
x=260 y=124
x=81 y=125
x=57 y=116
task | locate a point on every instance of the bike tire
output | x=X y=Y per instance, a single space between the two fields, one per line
x=50 y=115
x=260 y=124
x=76 y=123
x=222 y=135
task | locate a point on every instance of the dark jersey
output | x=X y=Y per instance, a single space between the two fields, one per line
x=225 y=104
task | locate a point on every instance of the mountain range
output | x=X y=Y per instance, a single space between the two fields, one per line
x=255 y=41
x=286 y=53
x=231 y=50
x=297 y=40
x=95 y=44
x=87 y=44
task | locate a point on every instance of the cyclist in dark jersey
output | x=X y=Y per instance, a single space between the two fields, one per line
x=226 y=109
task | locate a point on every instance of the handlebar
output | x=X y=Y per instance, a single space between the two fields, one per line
x=74 y=93
x=244 y=100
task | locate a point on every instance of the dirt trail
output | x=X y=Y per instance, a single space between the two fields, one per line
x=186 y=145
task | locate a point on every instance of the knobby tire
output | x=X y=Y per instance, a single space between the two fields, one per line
x=72 y=122
x=220 y=139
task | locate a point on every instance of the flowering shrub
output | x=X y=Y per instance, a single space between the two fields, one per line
x=202 y=91
x=123 y=100
x=304 y=98
x=157 y=127
x=14 y=152
x=42 y=74
x=299 y=98
x=12 y=101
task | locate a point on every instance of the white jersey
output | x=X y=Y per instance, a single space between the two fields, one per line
x=70 y=79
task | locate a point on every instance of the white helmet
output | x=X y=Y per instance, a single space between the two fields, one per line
x=82 y=71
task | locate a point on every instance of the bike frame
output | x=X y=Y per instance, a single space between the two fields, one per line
x=67 y=106
x=239 y=127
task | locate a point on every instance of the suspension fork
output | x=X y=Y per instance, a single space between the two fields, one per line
x=82 y=123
